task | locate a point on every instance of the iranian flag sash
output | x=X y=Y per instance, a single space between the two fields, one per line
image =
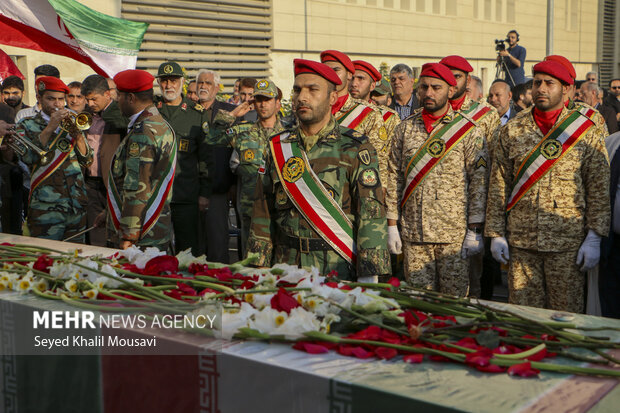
x=311 y=198
x=543 y=157
x=354 y=116
x=155 y=203
x=61 y=147
x=437 y=146
x=387 y=115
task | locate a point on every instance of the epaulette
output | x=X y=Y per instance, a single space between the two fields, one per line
x=353 y=134
x=417 y=112
x=138 y=127
x=469 y=118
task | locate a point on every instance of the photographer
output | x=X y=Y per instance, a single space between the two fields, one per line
x=513 y=58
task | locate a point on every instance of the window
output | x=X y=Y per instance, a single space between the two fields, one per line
x=510 y=11
x=389 y=4
x=436 y=6
x=405 y=4
x=420 y=5
x=487 y=9
x=498 y=10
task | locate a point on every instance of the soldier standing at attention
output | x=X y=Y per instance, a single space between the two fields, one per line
x=549 y=196
x=189 y=123
x=57 y=207
x=352 y=113
x=318 y=202
x=142 y=171
x=436 y=186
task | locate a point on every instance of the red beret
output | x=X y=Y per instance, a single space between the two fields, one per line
x=133 y=80
x=316 y=68
x=555 y=69
x=455 y=62
x=51 y=83
x=438 y=71
x=368 y=68
x=565 y=62
x=336 y=56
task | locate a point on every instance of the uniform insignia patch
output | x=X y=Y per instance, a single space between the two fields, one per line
x=261 y=168
x=364 y=157
x=479 y=142
x=369 y=178
x=205 y=127
x=263 y=84
x=134 y=149
x=117 y=166
x=184 y=106
x=159 y=105
x=551 y=149
x=481 y=163
x=64 y=145
x=199 y=107
x=41 y=86
x=436 y=148
x=168 y=69
x=292 y=169
x=229 y=131
x=184 y=145
x=356 y=134
x=331 y=193
x=383 y=134
x=248 y=155
x=281 y=196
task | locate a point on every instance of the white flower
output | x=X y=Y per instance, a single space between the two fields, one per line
x=294 y=274
x=4 y=285
x=141 y=259
x=268 y=320
x=89 y=275
x=234 y=319
x=259 y=300
x=266 y=280
x=318 y=305
x=40 y=284
x=298 y=322
x=131 y=253
x=24 y=285
x=110 y=282
x=186 y=258
x=71 y=286
x=91 y=294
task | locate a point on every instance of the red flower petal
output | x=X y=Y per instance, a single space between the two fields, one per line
x=369 y=333
x=162 y=263
x=354 y=351
x=538 y=356
x=468 y=342
x=386 y=353
x=413 y=358
x=283 y=301
x=43 y=263
x=310 y=348
x=491 y=368
x=394 y=281
x=523 y=370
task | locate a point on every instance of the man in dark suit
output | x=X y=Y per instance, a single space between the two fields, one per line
x=592 y=94
x=613 y=97
x=500 y=97
x=609 y=267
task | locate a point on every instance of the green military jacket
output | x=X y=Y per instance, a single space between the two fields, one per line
x=138 y=166
x=346 y=164
x=189 y=122
x=64 y=190
x=115 y=122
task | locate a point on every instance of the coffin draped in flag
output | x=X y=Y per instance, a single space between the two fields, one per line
x=68 y=28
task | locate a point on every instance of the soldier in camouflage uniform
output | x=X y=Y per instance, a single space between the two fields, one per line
x=354 y=114
x=442 y=218
x=249 y=142
x=191 y=186
x=57 y=208
x=142 y=169
x=346 y=165
x=552 y=232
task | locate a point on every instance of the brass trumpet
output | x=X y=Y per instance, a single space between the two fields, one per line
x=21 y=144
x=81 y=121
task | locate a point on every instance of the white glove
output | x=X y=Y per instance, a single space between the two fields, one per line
x=589 y=252
x=499 y=249
x=472 y=245
x=373 y=279
x=395 y=245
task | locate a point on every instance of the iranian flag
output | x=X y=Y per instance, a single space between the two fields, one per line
x=68 y=28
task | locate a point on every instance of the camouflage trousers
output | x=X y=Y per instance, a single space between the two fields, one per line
x=546 y=279
x=56 y=225
x=437 y=267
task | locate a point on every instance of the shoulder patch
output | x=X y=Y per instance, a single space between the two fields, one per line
x=364 y=156
x=351 y=133
x=369 y=177
x=205 y=127
x=199 y=107
x=134 y=149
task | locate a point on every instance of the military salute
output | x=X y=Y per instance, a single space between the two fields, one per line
x=143 y=168
x=548 y=203
x=319 y=199
x=189 y=122
x=436 y=187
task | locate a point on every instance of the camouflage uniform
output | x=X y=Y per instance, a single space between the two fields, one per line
x=597 y=118
x=547 y=226
x=372 y=126
x=337 y=156
x=139 y=164
x=190 y=126
x=435 y=218
x=490 y=124
x=57 y=206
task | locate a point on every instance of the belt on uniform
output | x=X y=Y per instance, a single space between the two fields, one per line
x=305 y=245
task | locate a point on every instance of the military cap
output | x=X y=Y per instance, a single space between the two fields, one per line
x=51 y=83
x=555 y=69
x=133 y=80
x=382 y=87
x=336 y=56
x=455 y=62
x=320 y=69
x=438 y=71
x=266 y=88
x=170 y=69
x=565 y=62
x=368 y=68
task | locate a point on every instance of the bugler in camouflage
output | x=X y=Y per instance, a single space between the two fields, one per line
x=57 y=206
x=346 y=163
x=552 y=218
x=140 y=162
x=439 y=210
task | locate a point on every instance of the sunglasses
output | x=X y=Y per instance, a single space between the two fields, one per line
x=615 y=87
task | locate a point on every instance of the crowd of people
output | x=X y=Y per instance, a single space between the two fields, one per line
x=364 y=168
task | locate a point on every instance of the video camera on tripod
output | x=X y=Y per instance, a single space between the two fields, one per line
x=500 y=44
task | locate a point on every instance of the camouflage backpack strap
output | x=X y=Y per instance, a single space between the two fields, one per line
x=544 y=156
x=354 y=116
x=60 y=150
x=155 y=203
x=310 y=197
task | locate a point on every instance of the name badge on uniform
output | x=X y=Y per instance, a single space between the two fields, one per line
x=248 y=155
x=184 y=145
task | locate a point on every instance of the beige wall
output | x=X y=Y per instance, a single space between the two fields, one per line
x=396 y=35
x=70 y=70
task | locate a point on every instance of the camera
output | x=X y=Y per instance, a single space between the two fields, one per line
x=499 y=44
